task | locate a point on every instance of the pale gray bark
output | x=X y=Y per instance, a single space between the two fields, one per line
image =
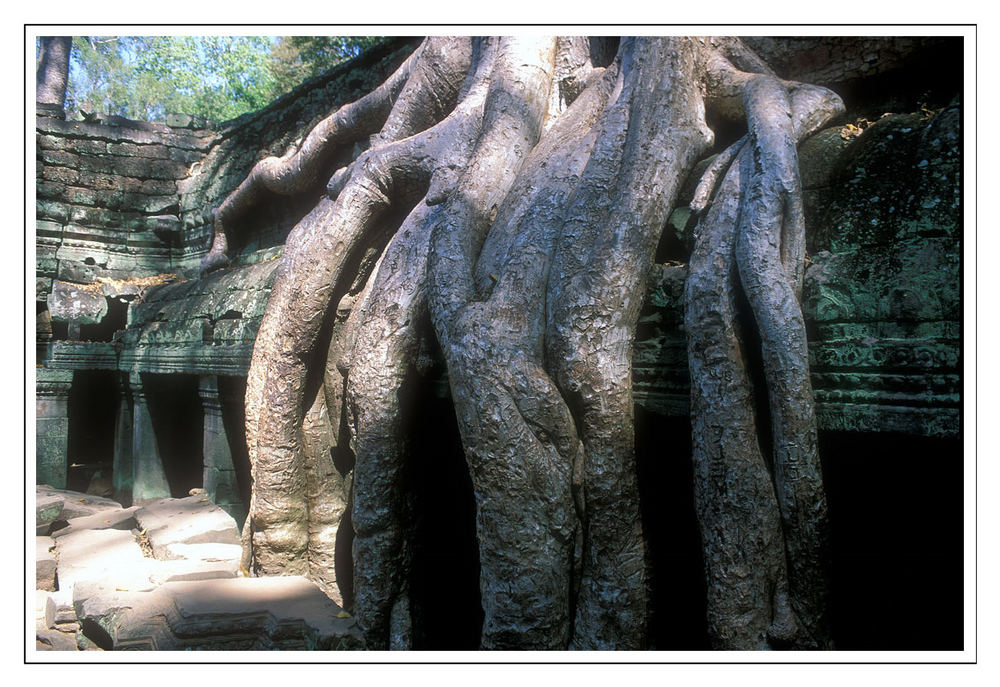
x=764 y=534
x=536 y=186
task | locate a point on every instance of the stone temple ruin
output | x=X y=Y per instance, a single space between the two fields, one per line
x=141 y=361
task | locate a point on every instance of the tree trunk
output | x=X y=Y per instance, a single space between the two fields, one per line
x=52 y=71
x=534 y=178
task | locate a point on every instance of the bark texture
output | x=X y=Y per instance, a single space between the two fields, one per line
x=515 y=191
x=52 y=70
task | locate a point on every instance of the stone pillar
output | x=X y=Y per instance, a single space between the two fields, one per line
x=220 y=474
x=149 y=481
x=52 y=426
x=122 y=468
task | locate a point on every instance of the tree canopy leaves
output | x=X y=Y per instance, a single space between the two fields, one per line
x=217 y=77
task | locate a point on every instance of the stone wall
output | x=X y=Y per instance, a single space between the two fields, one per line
x=121 y=210
x=882 y=296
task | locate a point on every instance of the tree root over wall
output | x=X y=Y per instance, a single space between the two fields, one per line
x=514 y=191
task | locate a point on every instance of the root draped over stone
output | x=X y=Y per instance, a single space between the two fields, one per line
x=516 y=191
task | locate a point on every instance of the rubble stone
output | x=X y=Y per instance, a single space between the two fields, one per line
x=76 y=504
x=108 y=555
x=191 y=520
x=59 y=612
x=123 y=519
x=234 y=614
x=45 y=564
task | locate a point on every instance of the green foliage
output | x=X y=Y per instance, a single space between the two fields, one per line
x=217 y=77
x=297 y=58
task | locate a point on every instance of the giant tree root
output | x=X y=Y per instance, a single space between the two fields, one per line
x=764 y=535
x=534 y=186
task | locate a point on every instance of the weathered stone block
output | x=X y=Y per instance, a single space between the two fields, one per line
x=94 y=217
x=61 y=158
x=164 y=572
x=152 y=205
x=48 y=507
x=164 y=224
x=55 y=640
x=112 y=200
x=190 y=142
x=51 y=190
x=51 y=426
x=109 y=182
x=156 y=152
x=100 y=165
x=45 y=564
x=43 y=286
x=180 y=121
x=819 y=156
x=78 y=272
x=111 y=556
x=59 y=611
x=186 y=157
x=76 y=504
x=235 y=614
x=213 y=553
x=46 y=142
x=78 y=196
x=48 y=229
x=88 y=147
x=70 y=303
x=890 y=185
x=191 y=520
x=94 y=130
x=53 y=210
x=109 y=519
x=61 y=175
x=140 y=168
x=124 y=149
x=158 y=187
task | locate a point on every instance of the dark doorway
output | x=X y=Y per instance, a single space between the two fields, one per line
x=896 y=514
x=445 y=584
x=175 y=410
x=92 y=408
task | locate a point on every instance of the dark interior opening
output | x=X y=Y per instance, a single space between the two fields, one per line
x=445 y=581
x=60 y=330
x=92 y=409
x=676 y=575
x=175 y=410
x=930 y=77
x=113 y=322
x=896 y=513
x=896 y=510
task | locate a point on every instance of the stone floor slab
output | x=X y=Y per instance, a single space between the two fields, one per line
x=122 y=519
x=191 y=520
x=76 y=504
x=109 y=555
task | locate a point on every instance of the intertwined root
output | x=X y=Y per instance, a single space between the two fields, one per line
x=536 y=185
x=763 y=528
